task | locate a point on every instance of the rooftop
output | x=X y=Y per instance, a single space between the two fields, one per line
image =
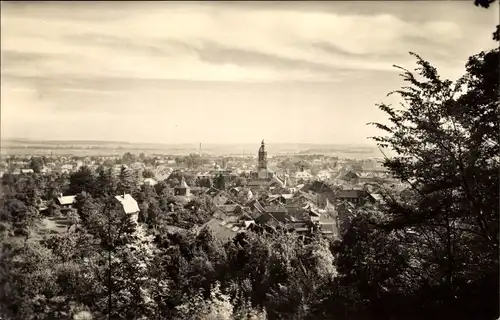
x=129 y=204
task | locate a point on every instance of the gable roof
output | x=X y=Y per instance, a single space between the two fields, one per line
x=213 y=191
x=222 y=229
x=256 y=204
x=320 y=187
x=257 y=183
x=65 y=200
x=351 y=194
x=150 y=181
x=305 y=195
x=229 y=208
x=278 y=213
x=377 y=197
x=274 y=209
x=220 y=199
x=183 y=184
x=128 y=203
x=350 y=175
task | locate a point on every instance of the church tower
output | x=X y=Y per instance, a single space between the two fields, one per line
x=262 y=166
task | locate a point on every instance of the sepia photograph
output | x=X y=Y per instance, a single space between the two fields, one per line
x=249 y=160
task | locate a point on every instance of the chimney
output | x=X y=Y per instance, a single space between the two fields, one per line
x=60 y=195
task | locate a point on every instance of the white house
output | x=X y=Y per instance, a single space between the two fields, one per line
x=129 y=206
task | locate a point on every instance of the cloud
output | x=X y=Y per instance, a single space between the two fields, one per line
x=212 y=43
x=120 y=61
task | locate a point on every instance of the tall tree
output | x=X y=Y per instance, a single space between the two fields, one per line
x=36 y=163
x=220 y=182
x=82 y=180
x=106 y=183
x=127 y=181
x=447 y=144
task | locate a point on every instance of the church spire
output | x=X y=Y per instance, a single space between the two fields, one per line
x=262 y=156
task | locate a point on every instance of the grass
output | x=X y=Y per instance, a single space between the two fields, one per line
x=47 y=227
x=50 y=226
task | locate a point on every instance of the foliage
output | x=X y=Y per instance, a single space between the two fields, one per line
x=36 y=163
x=446 y=138
x=127 y=181
x=82 y=180
x=148 y=174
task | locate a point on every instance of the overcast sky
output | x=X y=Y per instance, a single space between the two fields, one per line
x=220 y=72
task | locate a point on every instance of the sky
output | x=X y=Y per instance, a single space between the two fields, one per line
x=220 y=72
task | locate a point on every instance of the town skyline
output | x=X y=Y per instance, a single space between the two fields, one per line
x=175 y=73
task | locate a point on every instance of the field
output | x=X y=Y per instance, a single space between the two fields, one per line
x=101 y=148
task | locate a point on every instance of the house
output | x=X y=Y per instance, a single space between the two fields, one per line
x=27 y=171
x=303 y=198
x=378 y=198
x=212 y=192
x=150 y=181
x=354 y=196
x=256 y=206
x=205 y=175
x=66 y=202
x=279 y=214
x=281 y=198
x=299 y=226
x=268 y=219
x=407 y=193
x=350 y=175
x=197 y=190
x=318 y=187
x=45 y=169
x=43 y=206
x=129 y=206
x=258 y=185
x=222 y=229
x=323 y=175
x=303 y=175
x=66 y=168
x=277 y=182
x=231 y=209
x=234 y=191
x=328 y=226
x=182 y=189
x=344 y=211
x=221 y=198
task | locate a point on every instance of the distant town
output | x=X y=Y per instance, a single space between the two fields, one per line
x=295 y=192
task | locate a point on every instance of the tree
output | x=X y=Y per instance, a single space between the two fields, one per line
x=163 y=189
x=240 y=182
x=106 y=183
x=82 y=180
x=148 y=174
x=217 y=307
x=205 y=182
x=220 y=182
x=174 y=179
x=32 y=284
x=36 y=163
x=129 y=158
x=127 y=181
x=486 y=4
x=153 y=212
x=447 y=144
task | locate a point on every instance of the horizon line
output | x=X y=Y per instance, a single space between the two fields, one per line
x=15 y=139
